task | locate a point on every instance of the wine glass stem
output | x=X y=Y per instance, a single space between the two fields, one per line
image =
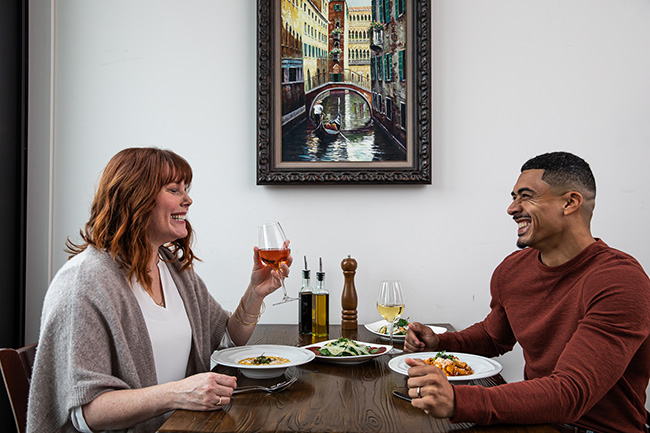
x=391 y=335
x=284 y=289
x=285 y=297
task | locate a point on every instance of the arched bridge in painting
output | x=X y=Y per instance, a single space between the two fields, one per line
x=350 y=81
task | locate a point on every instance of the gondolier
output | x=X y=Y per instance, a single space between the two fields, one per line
x=318 y=111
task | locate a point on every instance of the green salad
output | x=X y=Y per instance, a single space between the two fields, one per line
x=400 y=326
x=347 y=347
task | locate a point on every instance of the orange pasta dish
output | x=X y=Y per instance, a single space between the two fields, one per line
x=264 y=360
x=450 y=364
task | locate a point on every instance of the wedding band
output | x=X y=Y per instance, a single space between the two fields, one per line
x=419 y=389
x=219 y=402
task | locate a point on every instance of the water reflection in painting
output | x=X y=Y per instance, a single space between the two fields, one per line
x=359 y=137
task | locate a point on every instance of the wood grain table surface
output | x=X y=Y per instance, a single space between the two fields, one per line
x=327 y=397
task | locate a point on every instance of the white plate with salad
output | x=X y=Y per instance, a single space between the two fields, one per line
x=346 y=351
x=399 y=329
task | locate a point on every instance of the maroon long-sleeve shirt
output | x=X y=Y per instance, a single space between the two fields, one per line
x=584 y=329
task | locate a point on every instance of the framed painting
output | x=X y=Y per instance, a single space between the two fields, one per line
x=343 y=92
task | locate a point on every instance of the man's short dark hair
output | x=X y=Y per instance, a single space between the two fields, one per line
x=563 y=169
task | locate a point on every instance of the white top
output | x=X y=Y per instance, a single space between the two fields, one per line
x=169 y=328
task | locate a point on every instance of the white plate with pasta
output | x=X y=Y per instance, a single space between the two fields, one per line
x=377 y=328
x=262 y=361
x=481 y=367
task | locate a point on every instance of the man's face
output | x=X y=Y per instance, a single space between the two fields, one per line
x=537 y=211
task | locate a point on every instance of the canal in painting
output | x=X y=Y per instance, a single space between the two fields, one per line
x=360 y=139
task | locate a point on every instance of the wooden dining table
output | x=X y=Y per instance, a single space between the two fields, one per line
x=327 y=397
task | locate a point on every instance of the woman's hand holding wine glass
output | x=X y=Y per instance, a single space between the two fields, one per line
x=274 y=250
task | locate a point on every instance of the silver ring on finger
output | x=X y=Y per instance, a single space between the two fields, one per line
x=419 y=391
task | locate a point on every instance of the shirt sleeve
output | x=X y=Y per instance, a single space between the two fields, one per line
x=78 y=420
x=491 y=337
x=226 y=341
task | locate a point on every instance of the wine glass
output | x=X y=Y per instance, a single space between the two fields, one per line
x=274 y=251
x=390 y=304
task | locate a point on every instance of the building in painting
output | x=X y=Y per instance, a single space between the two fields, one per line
x=315 y=42
x=304 y=54
x=388 y=66
x=358 y=43
x=338 y=59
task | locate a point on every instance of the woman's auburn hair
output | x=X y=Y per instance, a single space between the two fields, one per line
x=121 y=210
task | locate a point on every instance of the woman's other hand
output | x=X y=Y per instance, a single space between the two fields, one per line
x=120 y=409
x=204 y=391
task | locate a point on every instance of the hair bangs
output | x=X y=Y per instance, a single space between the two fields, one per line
x=176 y=169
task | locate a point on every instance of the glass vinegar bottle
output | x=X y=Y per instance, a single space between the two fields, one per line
x=320 y=307
x=305 y=307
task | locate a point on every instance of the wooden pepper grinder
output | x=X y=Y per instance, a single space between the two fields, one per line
x=349 y=296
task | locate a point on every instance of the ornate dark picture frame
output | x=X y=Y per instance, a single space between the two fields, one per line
x=415 y=169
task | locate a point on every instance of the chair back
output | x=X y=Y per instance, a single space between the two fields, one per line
x=16 y=366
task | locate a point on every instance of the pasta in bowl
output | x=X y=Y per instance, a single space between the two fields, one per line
x=450 y=364
x=262 y=361
x=481 y=367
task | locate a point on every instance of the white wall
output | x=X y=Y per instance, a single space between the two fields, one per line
x=511 y=79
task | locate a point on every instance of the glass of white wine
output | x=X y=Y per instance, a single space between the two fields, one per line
x=390 y=304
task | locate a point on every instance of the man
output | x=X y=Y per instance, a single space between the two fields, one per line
x=579 y=309
x=318 y=112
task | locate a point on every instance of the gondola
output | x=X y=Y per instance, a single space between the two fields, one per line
x=329 y=130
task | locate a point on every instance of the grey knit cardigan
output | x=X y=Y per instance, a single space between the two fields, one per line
x=94 y=339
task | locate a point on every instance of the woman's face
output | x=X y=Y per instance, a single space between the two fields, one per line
x=168 y=215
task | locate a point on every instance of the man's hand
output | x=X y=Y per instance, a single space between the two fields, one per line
x=420 y=338
x=430 y=389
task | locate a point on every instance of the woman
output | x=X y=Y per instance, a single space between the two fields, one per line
x=128 y=328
